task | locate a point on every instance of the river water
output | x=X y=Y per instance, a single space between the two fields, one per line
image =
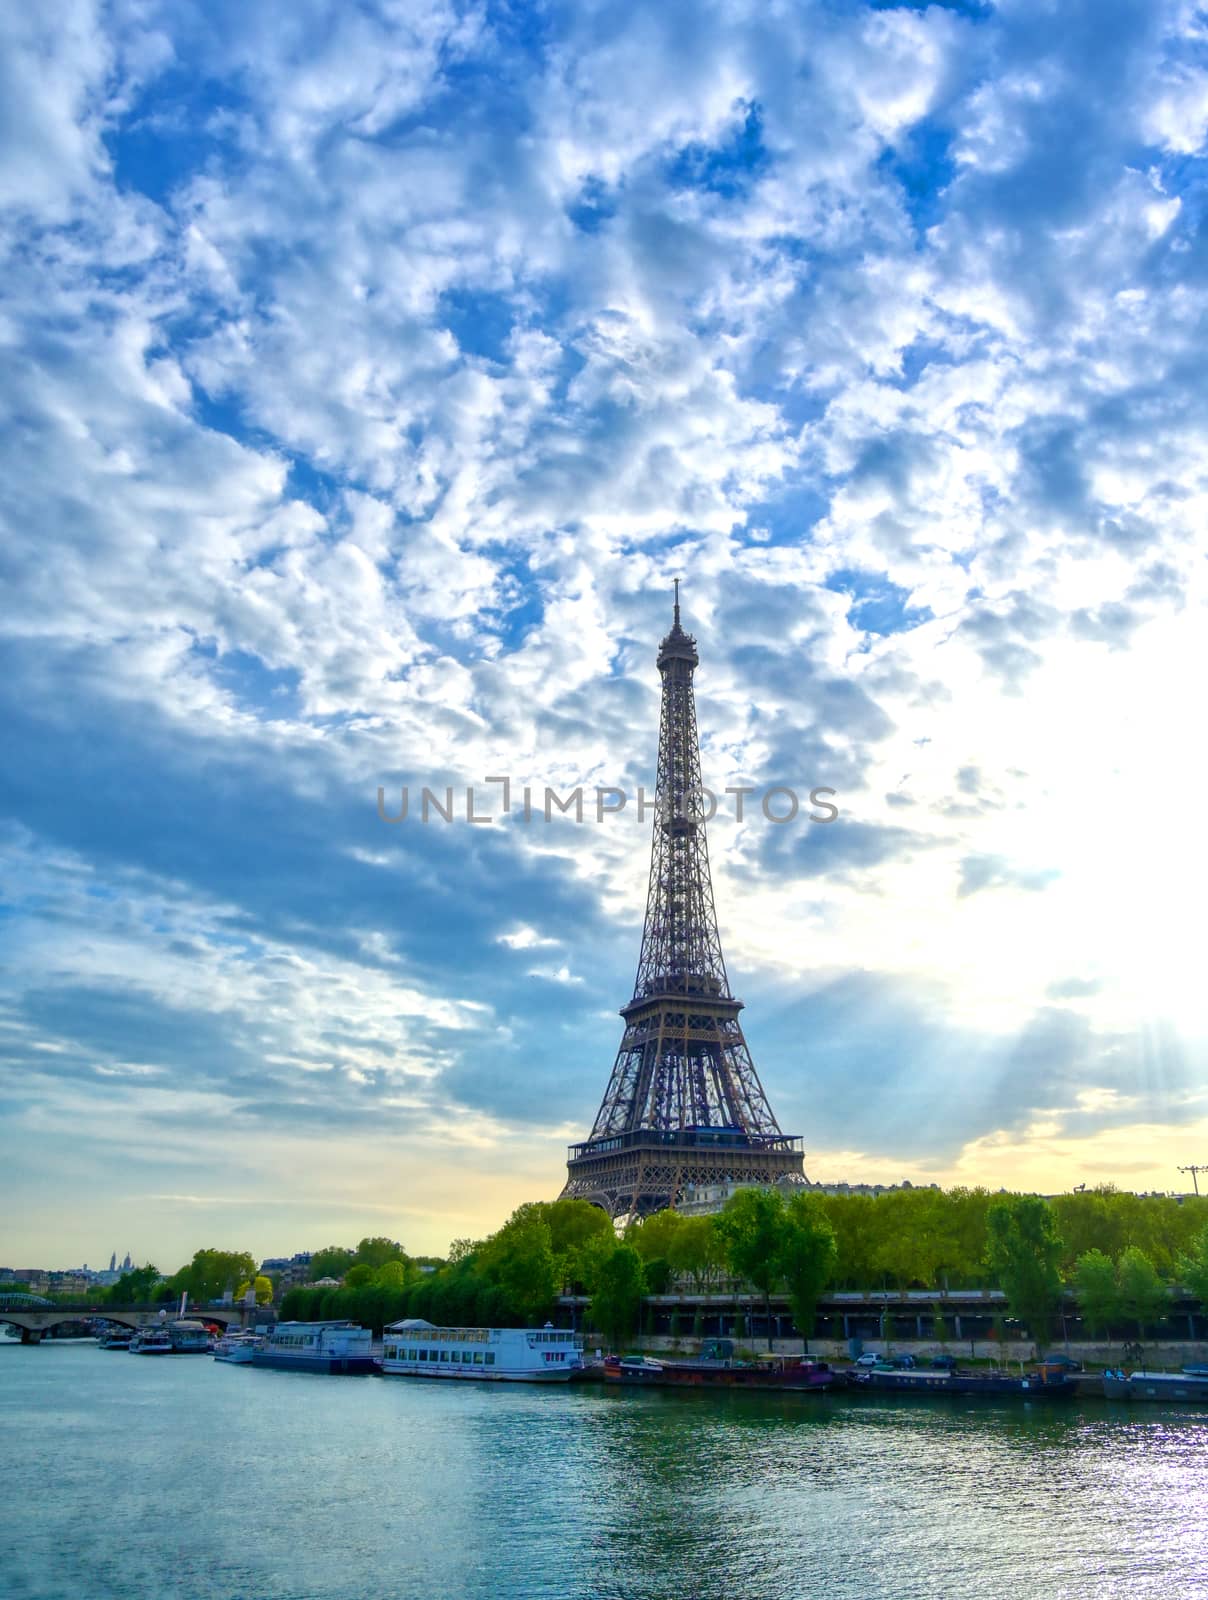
x=127 y=1477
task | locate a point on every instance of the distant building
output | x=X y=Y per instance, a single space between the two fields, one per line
x=706 y=1199
x=289 y=1271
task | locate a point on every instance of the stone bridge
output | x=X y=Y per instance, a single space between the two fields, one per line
x=33 y=1321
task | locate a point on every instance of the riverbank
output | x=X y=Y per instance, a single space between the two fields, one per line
x=1170 y=1354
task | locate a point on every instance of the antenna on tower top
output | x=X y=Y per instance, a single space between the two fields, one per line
x=677 y=584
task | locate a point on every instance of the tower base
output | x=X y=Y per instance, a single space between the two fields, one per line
x=634 y=1174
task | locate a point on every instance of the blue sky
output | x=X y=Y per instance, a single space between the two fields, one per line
x=370 y=370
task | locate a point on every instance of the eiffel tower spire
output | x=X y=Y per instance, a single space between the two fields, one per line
x=684 y=1104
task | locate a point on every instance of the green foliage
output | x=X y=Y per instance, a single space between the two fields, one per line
x=805 y=1257
x=654 y=1237
x=1193 y=1267
x=698 y=1252
x=520 y=1259
x=333 y=1262
x=263 y=1287
x=620 y=1283
x=658 y=1275
x=209 y=1275
x=1097 y=1291
x=925 y=1238
x=133 y=1288
x=1106 y=1219
x=1023 y=1250
x=751 y=1227
x=1128 y=1290
x=375 y=1253
x=1144 y=1298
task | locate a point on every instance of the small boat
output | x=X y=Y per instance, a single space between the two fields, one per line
x=724 y=1372
x=331 y=1347
x=1040 y=1383
x=1188 y=1387
x=151 y=1342
x=414 y=1348
x=190 y=1338
x=115 y=1338
x=237 y=1347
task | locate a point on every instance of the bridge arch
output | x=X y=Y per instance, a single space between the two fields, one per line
x=39 y=1320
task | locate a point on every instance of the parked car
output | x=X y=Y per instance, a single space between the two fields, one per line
x=868 y=1359
x=1066 y=1363
x=904 y=1361
x=943 y=1363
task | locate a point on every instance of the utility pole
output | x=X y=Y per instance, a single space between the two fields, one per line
x=1195 y=1171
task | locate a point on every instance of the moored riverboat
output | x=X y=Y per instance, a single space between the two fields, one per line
x=768 y=1372
x=328 y=1347
x=414 y=1348
x=190 y=1338
x=1189 y=1387
x=115 y=1338
x=237 y=1347
x=151 y=1342
x=1040 y=1383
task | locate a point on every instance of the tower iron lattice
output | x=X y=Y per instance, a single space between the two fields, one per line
x=684 y=1105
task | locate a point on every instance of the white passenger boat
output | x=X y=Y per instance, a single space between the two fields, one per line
x=151 y=1342
x=238 y=1347
x=115 y=1338
x=190 y=1338
x=317 y=1347
x=416 y=1349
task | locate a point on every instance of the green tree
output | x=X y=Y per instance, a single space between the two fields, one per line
x=133 y=1288
x=1143 y=1296
x=855 y=1221
x=212 y=1272
x=393 y=1275
x=1193 y=1268
x=697 y=1252
x=263 y=1287
x=574 y=1226
x=333 y=1262
x=520 y=1259
x=359 y=1274
x=616 y=1300
x=1097 y=1291
x=654 y=1237
x=375 y=1253
x=1023 y=1249
x=752 y=1227
x=805 y=1259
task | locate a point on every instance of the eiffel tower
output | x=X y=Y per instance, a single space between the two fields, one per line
x=684 y=1104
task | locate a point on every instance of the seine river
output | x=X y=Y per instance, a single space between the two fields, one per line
x=127 y=1477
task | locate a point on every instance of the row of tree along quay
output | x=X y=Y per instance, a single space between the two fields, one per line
x=1121 y=1263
